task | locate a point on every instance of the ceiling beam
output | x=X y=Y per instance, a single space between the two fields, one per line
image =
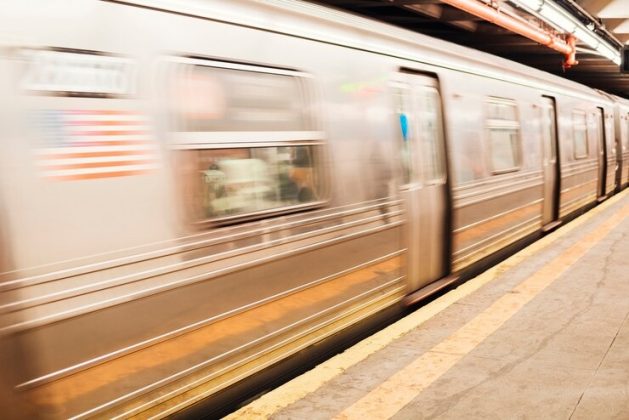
x=603 y=71
x=489 y=41
x=363 y=4
x=451 y=14
x=468 y=25
x=410 y=3
x=432 y=10
x=409 y=20
x=600 y=75
x=594 y=7
x=447 y=15
x=622 y=37
x=611 y=24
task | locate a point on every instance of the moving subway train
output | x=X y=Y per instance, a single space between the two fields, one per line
x=194 y=190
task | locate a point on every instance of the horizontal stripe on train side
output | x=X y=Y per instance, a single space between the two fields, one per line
x=119 y=377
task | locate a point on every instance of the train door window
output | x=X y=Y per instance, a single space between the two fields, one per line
x=504 y=135
x=247 y=138
x=403 y=107
x=580 y=137
x=626 y=148
x=426 y=125
x=431 y=135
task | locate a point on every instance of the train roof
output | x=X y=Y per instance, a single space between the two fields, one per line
x=320 y=23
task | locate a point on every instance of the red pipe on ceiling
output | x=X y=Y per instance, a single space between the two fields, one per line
x=514 y=25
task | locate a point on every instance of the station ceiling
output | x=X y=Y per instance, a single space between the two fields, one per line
x=437 y=19
x=613 y=13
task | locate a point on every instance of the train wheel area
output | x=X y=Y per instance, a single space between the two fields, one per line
x=541 y=335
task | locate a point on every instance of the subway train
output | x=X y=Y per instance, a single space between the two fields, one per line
x=192 y=192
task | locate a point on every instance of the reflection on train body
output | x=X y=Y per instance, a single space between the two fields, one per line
x=189 y=195
x=247 y=180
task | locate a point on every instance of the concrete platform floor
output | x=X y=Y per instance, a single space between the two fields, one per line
x=545 y=334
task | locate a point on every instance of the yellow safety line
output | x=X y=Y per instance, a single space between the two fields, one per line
x=401 y=388
x=303 y=385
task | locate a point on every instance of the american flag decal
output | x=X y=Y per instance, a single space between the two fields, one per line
x=91 y=144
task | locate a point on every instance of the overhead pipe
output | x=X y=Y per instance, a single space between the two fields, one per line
x=592 y=20
x=512 y=24
x=570 y=59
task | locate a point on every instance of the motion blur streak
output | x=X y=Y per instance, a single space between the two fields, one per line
x=192 y=191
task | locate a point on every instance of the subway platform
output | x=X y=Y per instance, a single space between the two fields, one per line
x=544 y=334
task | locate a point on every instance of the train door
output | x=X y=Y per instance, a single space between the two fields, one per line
x=550 y=165
x=624 y=150
x=424 y=186
x=617 y=136
x=602 y=153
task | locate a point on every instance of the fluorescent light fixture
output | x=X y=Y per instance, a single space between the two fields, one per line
x=562 y=20
x=587 y=37
x=608 y=52
x=557 y=17
x=531 y=4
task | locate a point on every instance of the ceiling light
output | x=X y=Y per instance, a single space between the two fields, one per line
x=531 y=4
x=556 y=17
x=608 y=52
x=587 y=37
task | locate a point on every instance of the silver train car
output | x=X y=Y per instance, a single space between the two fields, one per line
x=192 y=191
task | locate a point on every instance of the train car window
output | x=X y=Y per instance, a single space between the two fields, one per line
x=238 y=181
x=580 y=136
x=227 y=99
x=504 y=135
x=248 y=142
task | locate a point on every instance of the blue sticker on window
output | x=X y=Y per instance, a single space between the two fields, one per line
x=404 y=126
